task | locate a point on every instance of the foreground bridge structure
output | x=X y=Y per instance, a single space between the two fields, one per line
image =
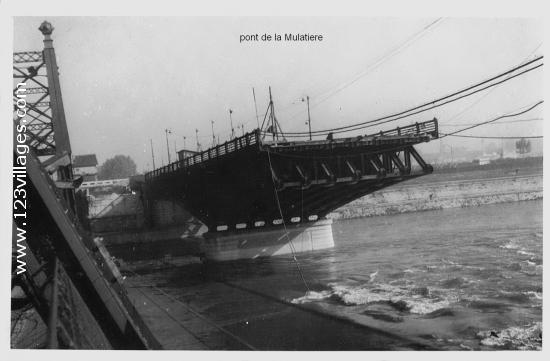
x=67 y=276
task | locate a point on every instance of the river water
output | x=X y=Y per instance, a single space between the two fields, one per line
x=453 y=279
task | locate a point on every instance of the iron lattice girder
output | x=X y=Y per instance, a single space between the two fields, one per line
x=302 y=203
x=36 y=105
x=42 y=142
x=350 y=168
x=29 y=73
x=37 y=90
x=27 y=57
x=37 y=127
x=41 y=116
x=44 y=103
x=39 y=120
x=31 y=104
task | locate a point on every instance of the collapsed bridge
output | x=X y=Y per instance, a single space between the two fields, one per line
x=250 y=182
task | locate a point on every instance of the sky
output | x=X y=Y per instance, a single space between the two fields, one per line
x=125 y=80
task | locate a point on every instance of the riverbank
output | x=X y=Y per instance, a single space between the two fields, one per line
x=437 y=193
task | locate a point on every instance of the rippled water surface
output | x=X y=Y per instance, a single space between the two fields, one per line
x=455 y=279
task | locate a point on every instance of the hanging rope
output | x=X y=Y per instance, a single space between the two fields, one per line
x=284 y=223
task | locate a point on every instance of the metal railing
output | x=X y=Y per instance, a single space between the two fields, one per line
x=429 y=127
x=230 y=146
x=105 y=183
x=27 y=57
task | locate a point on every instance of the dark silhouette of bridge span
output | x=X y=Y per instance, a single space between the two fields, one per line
x=252 y=184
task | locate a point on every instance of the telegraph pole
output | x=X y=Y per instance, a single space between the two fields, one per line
x=166 y=131
x=213 y=136
x=272 y=116
x=197 y=136
x=256 y=107
x=231 y=120
x=184 y=137
x=308 y=116
x=152 y=153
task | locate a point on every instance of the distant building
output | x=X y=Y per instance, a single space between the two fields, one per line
x=86 y=166
x=488 y=158
x=185 y=153
x=484 y=160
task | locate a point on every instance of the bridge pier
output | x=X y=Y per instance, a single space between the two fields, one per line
x=250 y=244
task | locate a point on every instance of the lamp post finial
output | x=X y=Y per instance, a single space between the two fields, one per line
x=46 y=28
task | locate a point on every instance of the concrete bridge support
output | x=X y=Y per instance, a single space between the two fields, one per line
x=268 y=242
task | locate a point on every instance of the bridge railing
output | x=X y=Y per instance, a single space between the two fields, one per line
x=230 y=146
x=429 y=127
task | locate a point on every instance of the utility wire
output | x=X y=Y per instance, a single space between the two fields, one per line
x=404 y=114
x=357 y=127
x=526 y=59
x=506 y=122
x=380 y=61
x=524 y=62
x=443 y=135
x=482 y=137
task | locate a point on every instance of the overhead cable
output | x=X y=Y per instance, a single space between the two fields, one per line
x=431 y=104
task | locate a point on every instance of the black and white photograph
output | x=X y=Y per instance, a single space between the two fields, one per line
x=281 y=182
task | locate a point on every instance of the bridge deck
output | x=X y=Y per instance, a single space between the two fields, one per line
x=408 y=135
x=232 y=186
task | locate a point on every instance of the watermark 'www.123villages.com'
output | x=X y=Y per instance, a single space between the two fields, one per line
x=19 y=172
